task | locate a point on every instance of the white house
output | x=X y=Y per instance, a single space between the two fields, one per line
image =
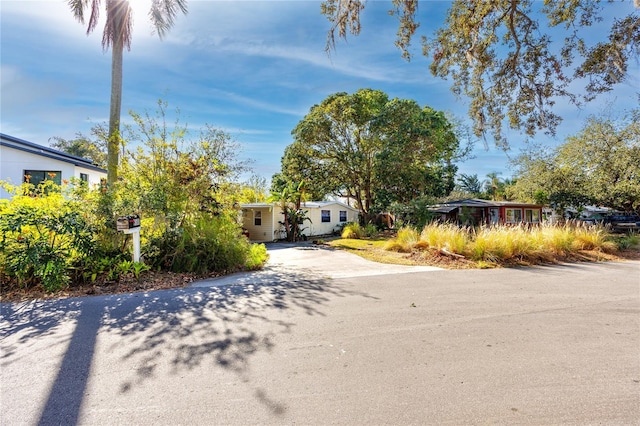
x=20 y=158
x=262 y=220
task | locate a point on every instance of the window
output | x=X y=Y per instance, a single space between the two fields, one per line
x=37 y=176
x=326 y=215
x=84 y=177
x=343 y=215
x=513 y=215
x=532 y=216
x=257 y=218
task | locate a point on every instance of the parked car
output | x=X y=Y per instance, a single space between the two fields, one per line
x=623 y=222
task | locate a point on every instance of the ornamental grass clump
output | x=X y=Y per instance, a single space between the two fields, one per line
x=593 y=238
x=352 y=230
x=558 y=240
x=490 y=246
x=501 y=243
x=446 y=236
x=405 y=241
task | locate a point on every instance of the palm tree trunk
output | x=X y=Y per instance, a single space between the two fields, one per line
x=113 y=145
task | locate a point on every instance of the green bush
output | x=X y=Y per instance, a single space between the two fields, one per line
x=257 y=256
x=370 y=230
x=203 y=244
x=627 y=241
x=42 y=235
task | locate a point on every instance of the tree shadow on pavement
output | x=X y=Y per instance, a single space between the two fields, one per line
x=223 y=326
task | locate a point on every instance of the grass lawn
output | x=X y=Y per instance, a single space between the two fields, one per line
x=373 y=249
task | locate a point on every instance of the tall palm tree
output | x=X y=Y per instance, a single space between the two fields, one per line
x=117 y=34
x=493 y=185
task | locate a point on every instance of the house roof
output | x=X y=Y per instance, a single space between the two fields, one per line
x=449 y=206
x=320 y=204
x=256 y=205
x=306 y=204
x=45 y=151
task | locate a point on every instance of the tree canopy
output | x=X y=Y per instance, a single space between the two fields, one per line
x=371 y=149
x=514 y=59
x=83 y=146
x=600 y=164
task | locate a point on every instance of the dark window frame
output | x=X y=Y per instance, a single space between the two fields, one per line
x=38 y=176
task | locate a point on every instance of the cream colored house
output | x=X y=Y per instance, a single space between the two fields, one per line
x=262 y=221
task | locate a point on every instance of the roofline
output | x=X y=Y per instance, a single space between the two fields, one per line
x=304 y=204
x=48 y=152
x=484 y=203
x=326 y=203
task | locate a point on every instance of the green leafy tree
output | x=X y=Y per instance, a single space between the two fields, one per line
x=117 y=35
x=554 y=185
x=607 y=153
x=500 y=54
x=253 y=190
x=416 y=157
x=600 y=164
x=82 y=146
x=175 y=173
x=181 y=184
x=470 y=184
x=373 y=150
x=297 y=165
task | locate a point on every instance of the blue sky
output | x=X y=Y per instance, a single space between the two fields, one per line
x=251 y=68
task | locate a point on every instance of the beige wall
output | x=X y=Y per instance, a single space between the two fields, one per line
x=265 y=231
x=317 y=227
x=269 y=229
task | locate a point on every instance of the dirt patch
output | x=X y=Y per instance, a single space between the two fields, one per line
x=150 y=280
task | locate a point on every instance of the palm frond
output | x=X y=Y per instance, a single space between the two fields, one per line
x=164 y=12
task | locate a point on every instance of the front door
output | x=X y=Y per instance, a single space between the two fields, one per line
x=494 y=215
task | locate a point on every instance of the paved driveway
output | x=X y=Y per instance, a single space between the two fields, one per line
x=546 y=345
x=313 y=261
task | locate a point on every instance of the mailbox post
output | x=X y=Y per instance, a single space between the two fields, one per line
x=131 y=225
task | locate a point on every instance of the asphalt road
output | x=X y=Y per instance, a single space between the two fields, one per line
x=304 y=344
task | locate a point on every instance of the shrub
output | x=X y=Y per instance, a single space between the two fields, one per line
x=370 y=230
x=203 y=244
x=257 y=256
x=627 y=241
x=42 y=235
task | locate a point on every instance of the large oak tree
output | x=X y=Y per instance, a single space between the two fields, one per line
x=372 y=150
x=600 y=164
x=515 y=59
